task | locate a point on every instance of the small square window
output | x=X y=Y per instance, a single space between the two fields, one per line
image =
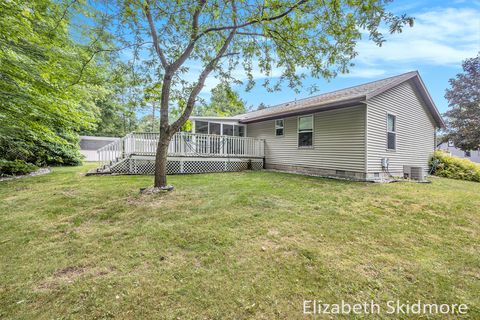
x=279 y=127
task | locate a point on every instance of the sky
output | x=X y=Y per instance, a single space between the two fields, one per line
x=444 y=34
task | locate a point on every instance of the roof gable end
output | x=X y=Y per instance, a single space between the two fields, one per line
x=419 y=86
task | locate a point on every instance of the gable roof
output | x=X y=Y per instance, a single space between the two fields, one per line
x=343 y=98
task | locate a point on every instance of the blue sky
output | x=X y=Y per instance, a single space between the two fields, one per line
x=444 y=34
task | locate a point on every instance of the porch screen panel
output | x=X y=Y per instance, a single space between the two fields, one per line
x=201 y=127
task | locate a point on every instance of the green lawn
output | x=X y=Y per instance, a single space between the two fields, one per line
x=232 y=245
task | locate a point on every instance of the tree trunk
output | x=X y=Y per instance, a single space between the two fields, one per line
x=165 y=135
x=161 y=161
x=153 y=116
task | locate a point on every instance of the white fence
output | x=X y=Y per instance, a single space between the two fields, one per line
x=183 y=144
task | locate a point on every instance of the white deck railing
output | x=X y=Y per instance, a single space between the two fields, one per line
x=183 y=144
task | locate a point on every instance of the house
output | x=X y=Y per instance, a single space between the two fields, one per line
x=472 y=155
x=349 y=132
x=365 y=132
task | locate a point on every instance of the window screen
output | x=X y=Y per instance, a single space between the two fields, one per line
x=391 y=132
x=238 y=131
x=241 y=131
x=201 y=127
x=214 y=128
x=279 y=127
x=305 y=131
x=228 y=130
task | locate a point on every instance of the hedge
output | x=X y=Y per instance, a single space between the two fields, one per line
x=444 y=165
x=15 y=167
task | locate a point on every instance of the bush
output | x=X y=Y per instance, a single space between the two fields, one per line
x=41 y=150
x=444 y=165
x=16 y=167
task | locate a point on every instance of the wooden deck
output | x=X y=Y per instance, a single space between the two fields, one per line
x=187 y=153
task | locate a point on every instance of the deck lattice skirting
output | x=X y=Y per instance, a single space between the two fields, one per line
x=187 y=153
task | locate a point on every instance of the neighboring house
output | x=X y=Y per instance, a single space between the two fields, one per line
x=473 y=155
x=365 y=132
x=89 y=146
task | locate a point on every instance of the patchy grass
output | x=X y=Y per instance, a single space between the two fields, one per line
x=231 y=246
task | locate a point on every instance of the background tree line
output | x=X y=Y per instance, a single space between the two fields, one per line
x=49 y=94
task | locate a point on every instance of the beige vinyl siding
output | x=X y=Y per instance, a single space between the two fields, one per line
x=415 y=130
x=338 y=141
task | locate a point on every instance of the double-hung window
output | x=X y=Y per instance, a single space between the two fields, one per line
x=279 y=127
x=391 y=132
x=305 y=131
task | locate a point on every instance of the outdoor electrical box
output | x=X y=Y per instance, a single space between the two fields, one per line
x=385 y=163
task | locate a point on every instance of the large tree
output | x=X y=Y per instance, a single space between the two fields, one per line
x=463 y=116
x=222 y=38
x=43 y=101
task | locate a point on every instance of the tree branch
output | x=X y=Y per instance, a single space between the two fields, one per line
x=188 y=50
x=154 y=35
x=84 y=65
x=64 y=14
x=254 y=34
x=254 y=21
x=174 y=127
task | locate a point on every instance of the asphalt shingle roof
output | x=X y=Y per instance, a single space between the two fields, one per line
x=327 y=99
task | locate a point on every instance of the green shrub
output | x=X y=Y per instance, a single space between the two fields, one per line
x=444 y=165
x=41 y=150
x=16 y=167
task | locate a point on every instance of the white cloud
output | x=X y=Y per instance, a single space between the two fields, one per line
x=439 y=37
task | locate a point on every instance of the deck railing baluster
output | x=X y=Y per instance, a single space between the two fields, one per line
x=182 y=144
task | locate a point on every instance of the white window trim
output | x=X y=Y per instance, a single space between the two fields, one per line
x=394 y=132
x=313 y=131
x=275 y=128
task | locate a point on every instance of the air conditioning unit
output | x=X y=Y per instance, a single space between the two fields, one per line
x=415 y=173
